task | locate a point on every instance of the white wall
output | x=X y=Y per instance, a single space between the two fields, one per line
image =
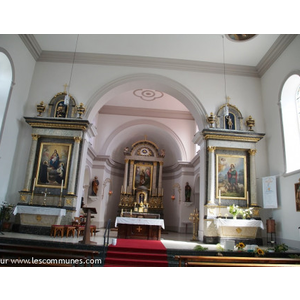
x=286 y=217
x=16 y=139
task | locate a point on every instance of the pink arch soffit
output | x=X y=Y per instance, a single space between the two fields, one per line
x=150 y=81
x=147 y=122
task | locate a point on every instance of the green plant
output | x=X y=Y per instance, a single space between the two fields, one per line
x=5 y=211
x=200 y=248
x=281 y=248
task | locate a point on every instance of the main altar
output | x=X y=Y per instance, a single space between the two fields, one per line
x=142 y=189
x=140 y=209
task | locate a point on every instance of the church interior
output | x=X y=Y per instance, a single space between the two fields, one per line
x=186 y=136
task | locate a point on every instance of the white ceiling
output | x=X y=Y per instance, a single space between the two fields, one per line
x=195 y=47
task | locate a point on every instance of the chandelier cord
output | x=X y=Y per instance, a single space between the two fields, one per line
x=71 y=75
x=224 y=66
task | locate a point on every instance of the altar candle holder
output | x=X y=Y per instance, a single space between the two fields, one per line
x=194 y=217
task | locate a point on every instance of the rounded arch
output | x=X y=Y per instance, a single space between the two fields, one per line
x=151 y=81
x=9 y=74
x=171 y=133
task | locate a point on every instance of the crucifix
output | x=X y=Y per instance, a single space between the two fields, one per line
x=45 y=197
x=65 y=88
x=139 y=229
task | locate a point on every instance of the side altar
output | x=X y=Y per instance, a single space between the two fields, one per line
x=49 y=195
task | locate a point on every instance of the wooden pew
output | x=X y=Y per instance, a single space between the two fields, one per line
x=235 y=261
x=20 y=251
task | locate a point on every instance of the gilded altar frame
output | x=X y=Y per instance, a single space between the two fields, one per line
x=231 y=176
x=142 y=177
x=53 y=165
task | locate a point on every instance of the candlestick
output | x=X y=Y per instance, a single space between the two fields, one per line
x=219 y=197
x=62 y=185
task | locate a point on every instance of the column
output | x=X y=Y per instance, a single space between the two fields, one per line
x=130 y=176
x=154 y=188
x=253 y=199
x=74 y=166
x=125 y=177
x=160 y=179
x=211 y=174
x=29 y=175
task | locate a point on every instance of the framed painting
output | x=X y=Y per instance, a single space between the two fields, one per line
x=297 y=195
x=142 y=176
x=231 y=181
x=53 y=165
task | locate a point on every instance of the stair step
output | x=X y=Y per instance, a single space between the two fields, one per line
x=135 y=262
x=138 y=255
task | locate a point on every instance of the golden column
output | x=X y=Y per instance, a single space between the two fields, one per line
x=253 y=199
x=29 y=175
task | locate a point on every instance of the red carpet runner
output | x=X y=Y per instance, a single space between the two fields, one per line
x=136 y=253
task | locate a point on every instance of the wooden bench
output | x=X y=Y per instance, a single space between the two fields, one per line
x=235 y=261
x=17 y=250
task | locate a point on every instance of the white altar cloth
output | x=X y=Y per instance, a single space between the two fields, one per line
x=140 y=221
x=37 y=210
x=238 y=223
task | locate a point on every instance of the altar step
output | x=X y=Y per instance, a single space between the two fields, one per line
x=136 y=253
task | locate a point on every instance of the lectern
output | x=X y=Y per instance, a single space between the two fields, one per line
x=87 y=232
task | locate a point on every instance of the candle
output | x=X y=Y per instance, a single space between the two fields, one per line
x=247 y=199
x=219 y=197
x=62 y=185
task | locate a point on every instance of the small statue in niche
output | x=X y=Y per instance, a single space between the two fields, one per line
x=188 y=191
x=61 y=110
x=95 y=186
x=229 y=122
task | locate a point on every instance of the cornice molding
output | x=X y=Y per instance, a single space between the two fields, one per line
x=32 y=45
x=141 y=112
x=274 y=52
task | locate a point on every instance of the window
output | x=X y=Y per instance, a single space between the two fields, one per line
x=290 y=110
x=5 y=85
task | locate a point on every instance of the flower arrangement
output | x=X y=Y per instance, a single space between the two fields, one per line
x=259 y=252
x=240 y=246
x=247 y=213
x=234 y=210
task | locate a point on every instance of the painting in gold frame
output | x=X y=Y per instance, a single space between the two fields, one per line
x=53 y=165
x=142 y=176
x=297 y=195
x=231 y=176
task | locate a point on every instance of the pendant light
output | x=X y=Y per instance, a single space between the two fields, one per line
x=226 y=108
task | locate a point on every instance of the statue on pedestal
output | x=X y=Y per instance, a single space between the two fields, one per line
x=95 y=186
x=188 y=191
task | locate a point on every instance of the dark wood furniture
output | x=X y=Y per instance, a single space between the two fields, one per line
x=86 y=238
x=235 y=261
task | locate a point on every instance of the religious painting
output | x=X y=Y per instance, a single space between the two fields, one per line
x=231 y=182
x=142 y=176
x=53 y=165
x=297 y=195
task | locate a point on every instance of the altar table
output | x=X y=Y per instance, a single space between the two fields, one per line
x=238 y=228
x=38 y=215
x=139 y=228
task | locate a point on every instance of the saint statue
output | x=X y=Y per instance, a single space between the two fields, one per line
x=188 y=191
x=95 y=186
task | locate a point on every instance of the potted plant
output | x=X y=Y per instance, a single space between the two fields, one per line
x=5 y=213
